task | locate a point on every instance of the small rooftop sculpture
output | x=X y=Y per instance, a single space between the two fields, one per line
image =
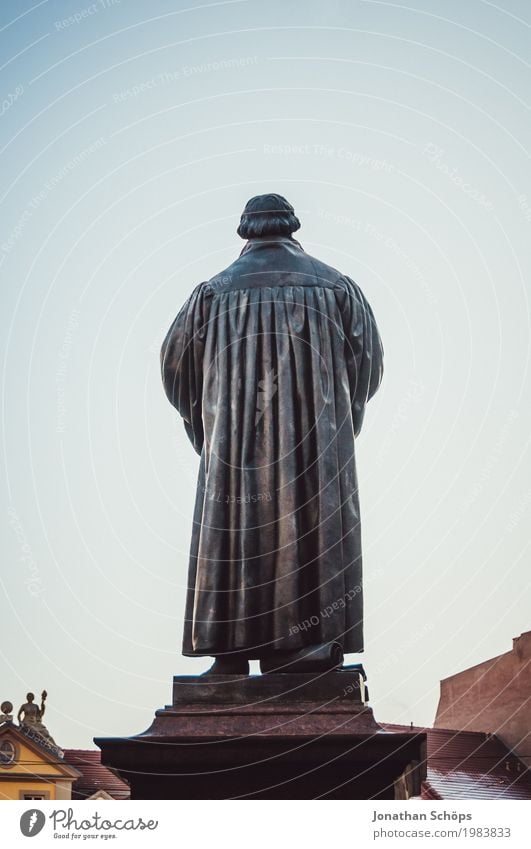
x=30 y=715
x=6 y=712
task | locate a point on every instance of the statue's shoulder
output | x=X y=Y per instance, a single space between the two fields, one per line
x=346 y=284
x=221 y=280
x=325 y=274
x=317 y=272
x=329 y=276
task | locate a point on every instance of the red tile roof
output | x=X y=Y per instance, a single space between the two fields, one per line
x=470 y=765
x=94 y=776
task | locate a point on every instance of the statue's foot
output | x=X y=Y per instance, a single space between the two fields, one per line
x=228 y=666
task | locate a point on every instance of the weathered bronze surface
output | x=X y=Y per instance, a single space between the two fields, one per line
x=270 y=364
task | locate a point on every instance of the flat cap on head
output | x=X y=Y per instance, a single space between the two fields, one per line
x=268 y=215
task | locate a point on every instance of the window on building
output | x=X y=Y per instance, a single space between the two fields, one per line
x=33 y=796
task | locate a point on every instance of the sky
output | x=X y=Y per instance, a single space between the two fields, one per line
x=131 y=136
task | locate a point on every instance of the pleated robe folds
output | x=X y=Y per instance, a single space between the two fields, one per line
x=271 y=364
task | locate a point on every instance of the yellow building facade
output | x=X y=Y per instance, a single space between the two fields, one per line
x=31 y=768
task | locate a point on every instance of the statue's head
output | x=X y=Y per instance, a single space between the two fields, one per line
x=268 y=215
x=30 y=697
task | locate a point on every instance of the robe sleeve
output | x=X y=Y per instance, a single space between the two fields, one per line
x=181 y=360
x=363 y=349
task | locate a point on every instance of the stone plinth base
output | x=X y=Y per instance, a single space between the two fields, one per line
x=269 y=736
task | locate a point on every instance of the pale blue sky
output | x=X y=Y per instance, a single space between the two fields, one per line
x=132 y=135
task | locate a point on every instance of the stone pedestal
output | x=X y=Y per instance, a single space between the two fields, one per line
x=269 y=736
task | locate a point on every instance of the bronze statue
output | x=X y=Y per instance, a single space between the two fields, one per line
x=271 y=363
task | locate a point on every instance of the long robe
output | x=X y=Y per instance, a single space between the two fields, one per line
x=271 y=364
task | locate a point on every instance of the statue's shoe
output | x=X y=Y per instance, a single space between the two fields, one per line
x=228 y=666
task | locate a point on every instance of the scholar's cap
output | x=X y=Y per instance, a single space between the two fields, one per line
x=268 y=215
